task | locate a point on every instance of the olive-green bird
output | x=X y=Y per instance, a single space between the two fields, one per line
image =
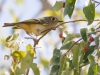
x=35 y=26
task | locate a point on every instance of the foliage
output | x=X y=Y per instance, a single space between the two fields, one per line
x=78 y=53
x=75 y=57
x=23 y=58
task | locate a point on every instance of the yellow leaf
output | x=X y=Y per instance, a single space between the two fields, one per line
x=12 y=37
x=18 y=54
x=30 y=49
x=9 y=44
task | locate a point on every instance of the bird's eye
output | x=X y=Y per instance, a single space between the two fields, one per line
x=53 y=19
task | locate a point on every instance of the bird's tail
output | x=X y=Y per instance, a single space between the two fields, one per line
x=9 y=24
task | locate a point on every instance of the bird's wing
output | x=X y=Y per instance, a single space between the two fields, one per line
x=35 y=21
x=30 y=21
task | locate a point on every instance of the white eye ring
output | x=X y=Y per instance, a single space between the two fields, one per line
x=53 y=19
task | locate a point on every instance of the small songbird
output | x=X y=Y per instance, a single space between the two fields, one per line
x=35 y=26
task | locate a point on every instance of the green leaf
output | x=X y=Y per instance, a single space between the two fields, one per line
x=70 y=37
x=89 y=11
x=92 y=29
x=98 y=70
x=17 y=71
x=75 y=72
x=58 y=5
x=91 y=60
x=68 y=72
x=97 y=40
x=93 y=65
x=83 y=44
x=66 y=46
x=95 y=69
x=55 y=60
x=54 y=70
x=83 y=32
x=63 y=39
x=90 y=72
x=44 y=62
x=71 y=64
x=35 y=69
x=81 y=60
x=26 y=62
x=69 y=7
x=76 y=52
x=64 y=73
x=12 y=73
x=62 y=64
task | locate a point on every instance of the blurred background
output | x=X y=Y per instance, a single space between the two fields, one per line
x=19 y=10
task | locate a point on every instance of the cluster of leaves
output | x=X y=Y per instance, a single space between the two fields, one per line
x=22 y=61
x=75 y=56
x=69 y=5
x=78 y=54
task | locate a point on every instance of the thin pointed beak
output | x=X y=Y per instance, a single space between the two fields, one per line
x=60 y=21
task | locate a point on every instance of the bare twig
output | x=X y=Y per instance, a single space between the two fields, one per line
x=73 y=46
x=96 y=2
x=36 y=41
x=77 y=21
x=27 y=72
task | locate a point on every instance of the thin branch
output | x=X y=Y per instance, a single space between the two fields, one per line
x=77 y=21
x=27 y=72
x=37 y=40
x=73 y=46
x=96 y=2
